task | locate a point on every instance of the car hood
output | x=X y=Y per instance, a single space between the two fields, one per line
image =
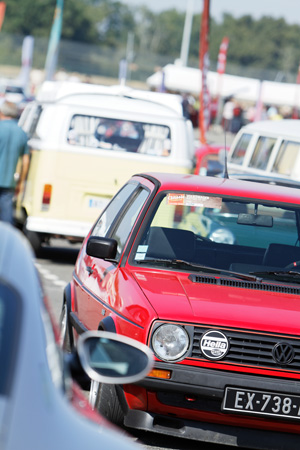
x=175 y=296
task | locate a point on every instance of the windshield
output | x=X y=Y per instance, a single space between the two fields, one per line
x=220 y=233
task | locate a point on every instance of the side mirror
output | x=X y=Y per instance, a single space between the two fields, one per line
x=101 y=247
x=114 y=359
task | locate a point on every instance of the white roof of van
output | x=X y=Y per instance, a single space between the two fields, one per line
x=52 y=91
x=283 y=127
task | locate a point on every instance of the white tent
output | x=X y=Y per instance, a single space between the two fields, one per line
x=187 y=79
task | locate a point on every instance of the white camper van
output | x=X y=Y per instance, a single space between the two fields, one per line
x=86 y=141
x=268 y=148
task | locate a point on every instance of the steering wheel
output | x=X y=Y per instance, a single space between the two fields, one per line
x=293 y=265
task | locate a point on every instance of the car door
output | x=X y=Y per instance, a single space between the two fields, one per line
x=97 y=290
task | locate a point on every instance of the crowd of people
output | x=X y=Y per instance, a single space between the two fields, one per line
x=231 y=113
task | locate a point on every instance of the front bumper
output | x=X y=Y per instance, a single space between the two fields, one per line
x=211 y=383
x=211 y=432
x=171 y=411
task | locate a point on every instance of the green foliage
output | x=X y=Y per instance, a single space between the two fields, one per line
x=266 y=43
x=167 y=37
x=29 y=17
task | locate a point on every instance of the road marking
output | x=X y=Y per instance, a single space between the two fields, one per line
x=50 y=276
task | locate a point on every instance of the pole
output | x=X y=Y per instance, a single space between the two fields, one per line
x=204 y=113
x=185 y=44
x=2 y=13
x=53 y=46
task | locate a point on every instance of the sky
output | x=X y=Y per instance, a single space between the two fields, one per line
x=287 y=9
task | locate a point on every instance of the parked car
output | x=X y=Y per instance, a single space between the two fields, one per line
x=270 y=148
x=86 y=141
x=205 y=271
x=41 y=404
x=209 y=159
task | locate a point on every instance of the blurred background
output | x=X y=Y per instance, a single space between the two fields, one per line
x=97 y=34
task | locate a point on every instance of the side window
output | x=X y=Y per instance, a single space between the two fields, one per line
x=122 y=231
x=29 y=119
x=238 y=154
x=262 y=151
x=286 y=157
x=106 y=219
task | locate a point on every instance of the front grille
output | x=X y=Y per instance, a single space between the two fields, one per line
x=251 y=349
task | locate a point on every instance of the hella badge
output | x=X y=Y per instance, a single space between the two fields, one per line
x=214 y=345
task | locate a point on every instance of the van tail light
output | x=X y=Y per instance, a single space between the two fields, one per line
x=46 y=197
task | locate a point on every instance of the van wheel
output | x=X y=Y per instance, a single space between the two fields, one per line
x=34 y=239
x=107 y=402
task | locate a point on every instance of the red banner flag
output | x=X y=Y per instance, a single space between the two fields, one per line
x=298 y=75
x=222 y=58
x=222 y=55
x=2 y=13
x=295 y=114
x=204 y=113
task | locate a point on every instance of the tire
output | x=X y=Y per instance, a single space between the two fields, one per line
x=66 y=341
x=35 y=240
x=107 y=403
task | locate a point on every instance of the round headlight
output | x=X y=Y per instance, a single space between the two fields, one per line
x=170 y=342
x=222 y=236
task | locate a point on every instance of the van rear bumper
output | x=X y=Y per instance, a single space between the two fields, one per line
x=55 y=227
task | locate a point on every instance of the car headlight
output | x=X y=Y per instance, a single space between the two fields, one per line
x=170 y=342
x=222 y=236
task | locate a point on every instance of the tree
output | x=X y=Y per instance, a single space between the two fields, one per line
x=35 y=18
x=266 y=43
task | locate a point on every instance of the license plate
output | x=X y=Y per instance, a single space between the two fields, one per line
x=98 y=203
x=261 y=403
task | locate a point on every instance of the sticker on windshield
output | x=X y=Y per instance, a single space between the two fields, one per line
x=194 y=200
x=141 y=252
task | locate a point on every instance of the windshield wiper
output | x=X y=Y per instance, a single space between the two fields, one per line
x=180 y=262
x=280 y=275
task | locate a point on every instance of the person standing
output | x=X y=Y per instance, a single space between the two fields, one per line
x=228 y=113
x=13 y=146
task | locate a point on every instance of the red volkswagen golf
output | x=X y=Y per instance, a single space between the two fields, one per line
x=206 y=272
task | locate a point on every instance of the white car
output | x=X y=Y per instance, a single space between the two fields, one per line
x=41 y=407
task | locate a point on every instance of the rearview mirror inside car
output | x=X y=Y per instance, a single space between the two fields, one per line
x=259 y=220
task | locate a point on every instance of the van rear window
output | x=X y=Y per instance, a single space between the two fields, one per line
x=119 y=135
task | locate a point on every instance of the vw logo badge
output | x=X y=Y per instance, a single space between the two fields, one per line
x=214 y=345
x=283 y=353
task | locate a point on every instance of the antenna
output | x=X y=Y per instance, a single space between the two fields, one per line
x=225 y=171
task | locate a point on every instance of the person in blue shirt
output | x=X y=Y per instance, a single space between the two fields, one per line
x=13 y=147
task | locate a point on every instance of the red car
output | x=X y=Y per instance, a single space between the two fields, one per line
x=210 y=159
x=206 y=272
